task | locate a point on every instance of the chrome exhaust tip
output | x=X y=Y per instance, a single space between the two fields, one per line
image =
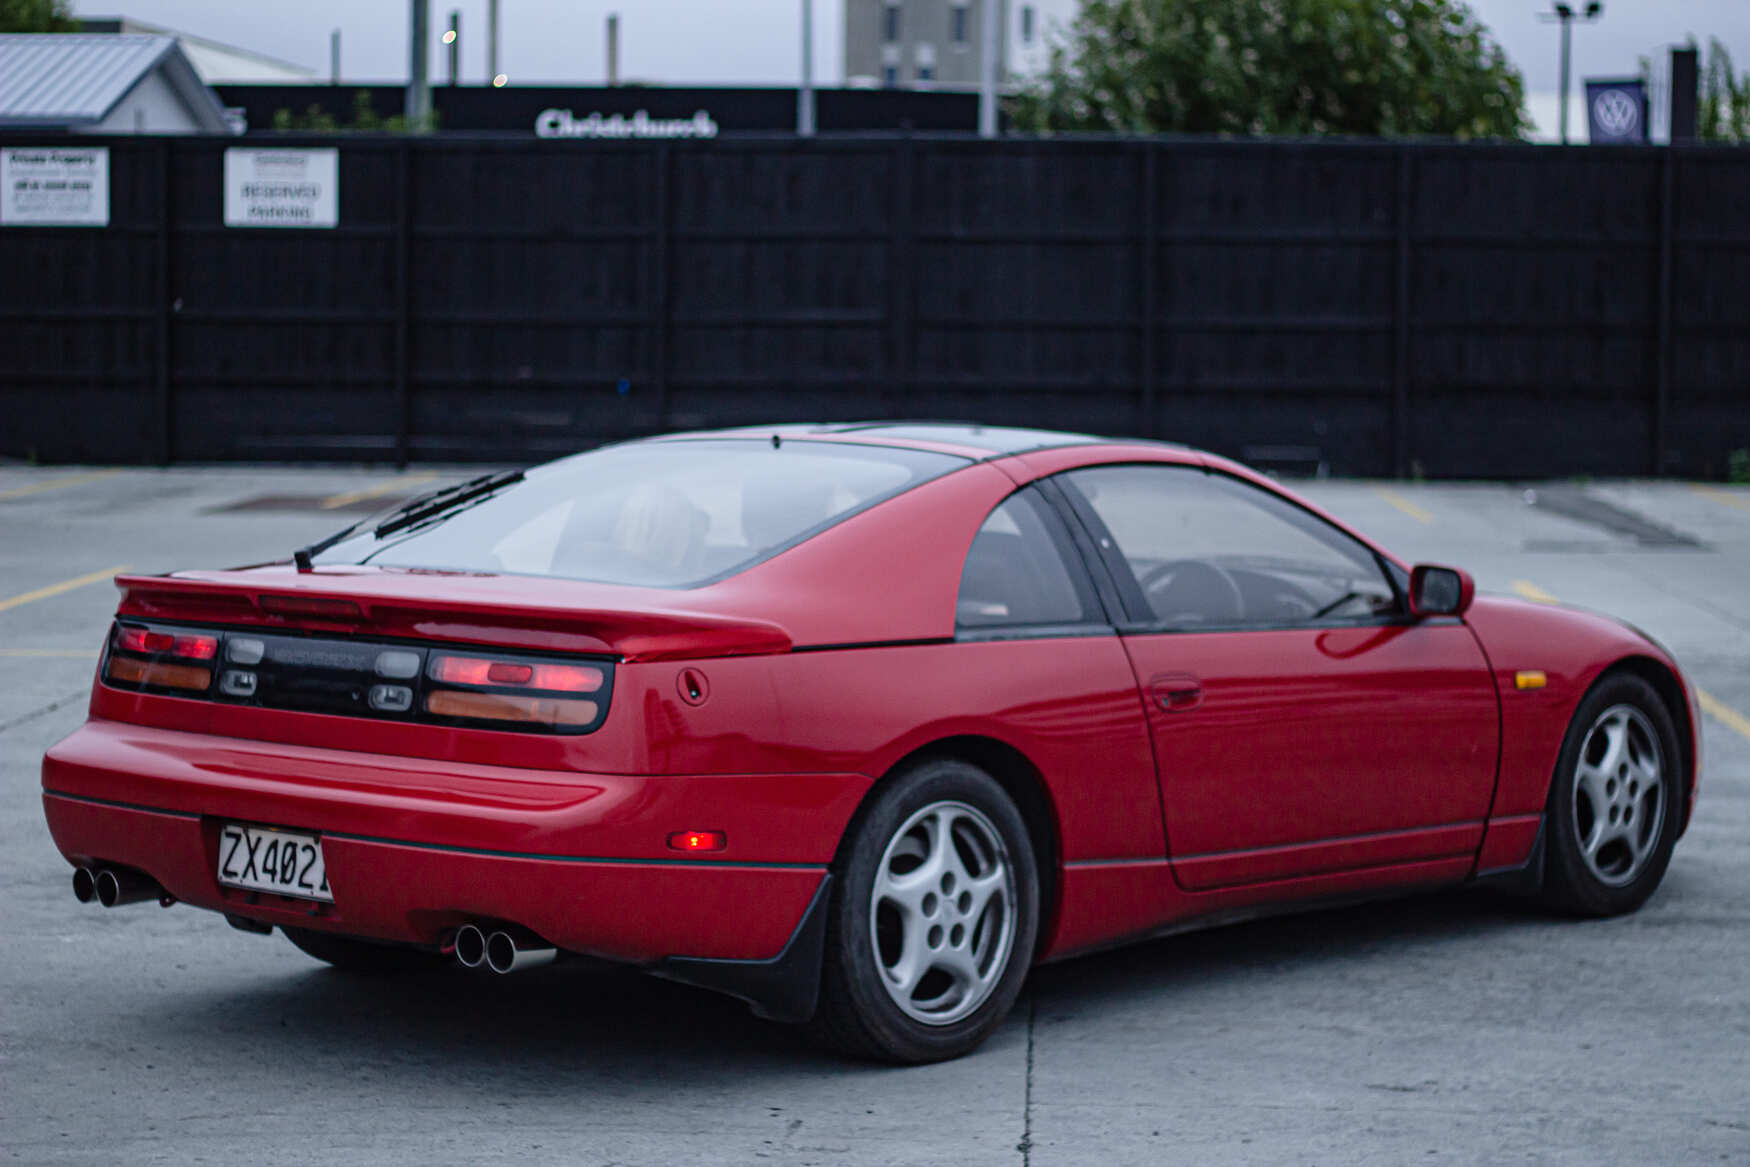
x=118 y=886
x=84 y=884
x=470 y=946
x=507 y=953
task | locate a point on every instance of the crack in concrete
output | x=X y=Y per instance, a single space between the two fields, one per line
x=46 y=709
x=1025 y=1146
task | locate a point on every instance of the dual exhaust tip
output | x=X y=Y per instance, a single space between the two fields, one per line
x=502 y=950
x=115 y=886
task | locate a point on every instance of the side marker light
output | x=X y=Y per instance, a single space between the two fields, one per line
x=1530 y=679
x=698 y=840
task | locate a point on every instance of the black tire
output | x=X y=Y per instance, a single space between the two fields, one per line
x=363 y=956
x=858 y=1014
x=1615 y=878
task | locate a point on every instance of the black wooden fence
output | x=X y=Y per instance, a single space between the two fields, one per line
x=1381 y=308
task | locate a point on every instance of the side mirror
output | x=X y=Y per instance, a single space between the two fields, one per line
x=1440 y=591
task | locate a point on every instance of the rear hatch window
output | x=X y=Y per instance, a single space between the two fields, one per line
x=652 y=514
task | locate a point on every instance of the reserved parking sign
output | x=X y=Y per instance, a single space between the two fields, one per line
x=282 y=188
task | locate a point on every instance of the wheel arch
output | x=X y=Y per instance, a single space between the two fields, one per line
x=1020 y=779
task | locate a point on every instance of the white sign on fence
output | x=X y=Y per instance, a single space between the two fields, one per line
x=54 y=186
x=282 y=188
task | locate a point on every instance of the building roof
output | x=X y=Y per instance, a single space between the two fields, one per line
x=69 y=80
x=216 y=62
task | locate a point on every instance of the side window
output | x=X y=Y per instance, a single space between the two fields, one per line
x=1209 y=551
x=1015 y=573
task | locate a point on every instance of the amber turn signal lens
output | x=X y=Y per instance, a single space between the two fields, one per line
x=1530 y=679
x=158 y=674
x=509 y=707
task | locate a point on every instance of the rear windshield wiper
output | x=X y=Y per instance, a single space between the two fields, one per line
x=414 y=511
x=421 y=509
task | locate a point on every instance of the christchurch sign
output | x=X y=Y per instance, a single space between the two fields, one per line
x=562 y=123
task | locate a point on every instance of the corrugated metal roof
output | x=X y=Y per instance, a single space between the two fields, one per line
x=68 y=78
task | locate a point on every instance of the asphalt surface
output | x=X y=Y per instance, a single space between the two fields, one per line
x=1453 y=1028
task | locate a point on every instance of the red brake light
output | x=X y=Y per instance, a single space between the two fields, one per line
x=312 y=606
x=698 y=840
x=499 y=673
x=554 y=678
x=189 y=647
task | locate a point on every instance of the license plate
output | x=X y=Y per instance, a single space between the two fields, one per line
x=285 y=863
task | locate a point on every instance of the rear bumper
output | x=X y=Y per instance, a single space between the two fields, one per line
x=415 y=848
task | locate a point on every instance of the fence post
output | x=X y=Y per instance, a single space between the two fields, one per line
x=1400 y=375
x=658 y=329
x=1145 y=276
x=1667 y=288
x=163 y=391
x=403 y=303
x=901 y=278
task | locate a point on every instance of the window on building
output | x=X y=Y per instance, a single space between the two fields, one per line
x=890 y=76
x=890 y=23
x=1026 y=24
x=926 y=72
x=957 y=22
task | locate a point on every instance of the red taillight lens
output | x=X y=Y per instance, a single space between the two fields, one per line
x=553 y=678
x=189 y=647
x=698 y=840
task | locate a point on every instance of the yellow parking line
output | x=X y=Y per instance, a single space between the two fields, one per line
x=64 y=586
x=336 y=501
x=1532 y=592
x=57 y=483
x=1723 y=713
x=51 y=653
x=1405 y=505
x=1730 y=498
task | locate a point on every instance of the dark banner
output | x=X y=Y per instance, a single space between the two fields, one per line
x=1616 y=112
x=621 y=112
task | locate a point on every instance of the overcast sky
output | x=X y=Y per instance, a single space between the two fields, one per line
x=752 y=42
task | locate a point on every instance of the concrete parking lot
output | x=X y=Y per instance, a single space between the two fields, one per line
x=1454 y=1028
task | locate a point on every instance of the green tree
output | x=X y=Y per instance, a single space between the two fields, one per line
x=37 y=16
x=1277 y=67
x=365 y=119
x=1723 y=100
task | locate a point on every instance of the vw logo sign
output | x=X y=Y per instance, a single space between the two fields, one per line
x=1617 y=113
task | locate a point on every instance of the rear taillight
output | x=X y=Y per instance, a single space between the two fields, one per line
x=161 y=658
x=361 y=677
x=515 y=691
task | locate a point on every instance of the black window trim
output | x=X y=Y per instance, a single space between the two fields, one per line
x=1137 y=618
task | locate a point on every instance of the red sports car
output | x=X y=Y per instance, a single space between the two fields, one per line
x=854 y=722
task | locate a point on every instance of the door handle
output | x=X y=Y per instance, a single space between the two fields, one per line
x=1176 y=692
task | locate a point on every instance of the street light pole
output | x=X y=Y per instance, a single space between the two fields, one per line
x=1565 y=14
x=805 y=95
x=418 y=110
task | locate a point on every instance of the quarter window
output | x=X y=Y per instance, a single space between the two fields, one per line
x=1199 y=550
x=1016 y=575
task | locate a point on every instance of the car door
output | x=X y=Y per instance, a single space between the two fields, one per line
x=1302 y=722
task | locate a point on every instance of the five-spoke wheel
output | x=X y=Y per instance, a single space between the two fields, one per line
x=933 y=918
x=1614 y=807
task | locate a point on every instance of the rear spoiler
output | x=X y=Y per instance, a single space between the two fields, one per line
x=638 y=634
